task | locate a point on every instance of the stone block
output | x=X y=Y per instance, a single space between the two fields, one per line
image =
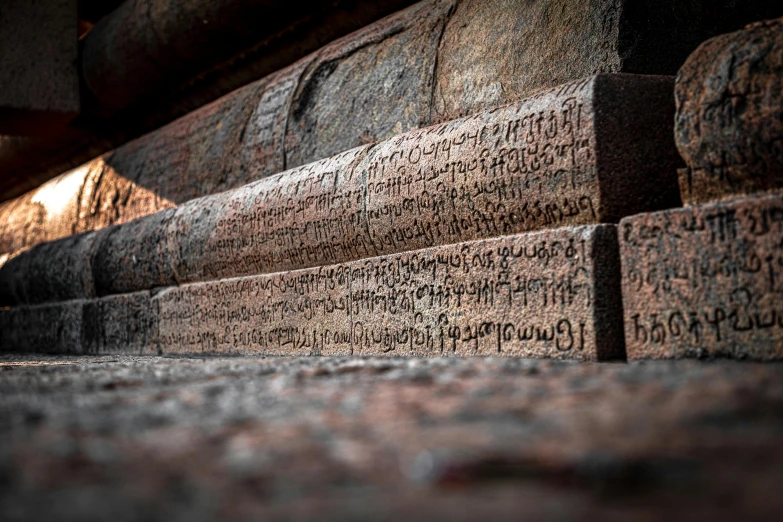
x=729 y=125
x=55 y=271
x=588 y=152
x=494 y=52
x=705 y=280
x=39 y=83
x=368 y=86
x=433 y=62
x=132 y=256
x=548 y=294
x=47 y=328
x=121 y=324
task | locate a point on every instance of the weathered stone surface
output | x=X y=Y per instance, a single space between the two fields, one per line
x=44 y=214
x=56 y=271
x=142 y=439
x=284 y=222
x=705 y=281
x=132 y=256
x=495 y=51
x=591 y=151
x=587 y=152
x=39 y=83
x=124 y=324
x=389 y=77
x=550 y=294
x=729 y=125
x=26 y=163
x=148 y=47
x=47 y=328
x=368 y=86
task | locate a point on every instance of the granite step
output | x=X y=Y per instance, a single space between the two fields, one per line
x=552 y=294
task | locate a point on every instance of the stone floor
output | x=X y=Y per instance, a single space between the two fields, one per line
x=191 y=439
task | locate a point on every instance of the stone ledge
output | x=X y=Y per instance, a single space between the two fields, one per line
x=552 y=294
x=436 y=61
x=705 y=281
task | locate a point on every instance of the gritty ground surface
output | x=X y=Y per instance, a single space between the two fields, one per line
x=147 y=438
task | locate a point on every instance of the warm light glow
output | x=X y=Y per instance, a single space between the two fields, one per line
x=60 y=193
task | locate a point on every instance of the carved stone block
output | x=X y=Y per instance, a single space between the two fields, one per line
x=705 y=280
x=547 y=294
x=131 y=256
x=729 y=125
x=587 y=152
x=435 y=61
x=124 y=324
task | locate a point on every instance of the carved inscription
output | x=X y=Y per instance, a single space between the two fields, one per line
x=525 y=167
x=123 y=323
x=531 y=294
x=705 y=281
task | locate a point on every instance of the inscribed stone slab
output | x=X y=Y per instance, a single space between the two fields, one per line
x=48 y=328
x=569 y=156
x=547 y=294
x=705 y=280
x=123 y=324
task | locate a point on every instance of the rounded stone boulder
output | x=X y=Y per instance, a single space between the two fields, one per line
x=729 y=122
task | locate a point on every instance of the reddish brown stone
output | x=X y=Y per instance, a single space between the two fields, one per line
x=45 y=214
x=729 y=125
x=369 y=86
x=705 y=281
x=550 y=294
x=587 y=152
x=346 y=439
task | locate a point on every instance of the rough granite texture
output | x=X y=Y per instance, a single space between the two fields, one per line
x=729 y=125
x=39 y=83
x=180 y=439
x=123 y=324
x=586 y=152
x=435 y=61
x=551 y=294
x=705 y=281
x=132 y=256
